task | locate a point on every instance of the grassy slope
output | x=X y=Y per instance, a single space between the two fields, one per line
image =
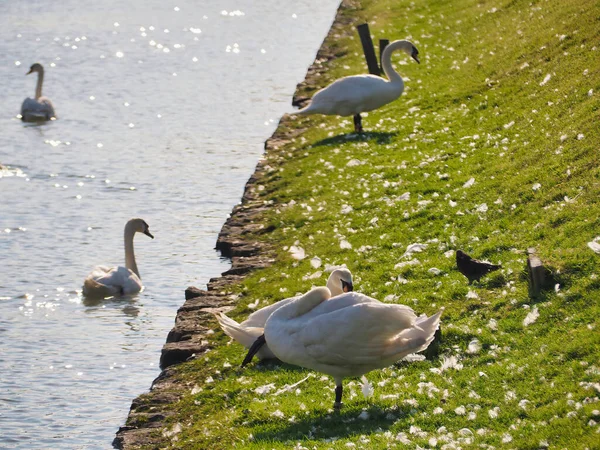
x=477 y=107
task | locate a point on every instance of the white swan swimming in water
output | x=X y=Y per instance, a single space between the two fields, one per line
x=106 y=281
x=350 y=96
x=246 y=333
x=38 y=108
x=345 y=336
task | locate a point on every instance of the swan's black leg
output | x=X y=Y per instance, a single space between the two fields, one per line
x=258 y=343
x=338 y=397
x=358 y=123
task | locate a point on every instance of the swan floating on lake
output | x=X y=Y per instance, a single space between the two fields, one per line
x=106 y=281
x=247 y=332
x=350 y=96
x=38 y=108
x=345 y=336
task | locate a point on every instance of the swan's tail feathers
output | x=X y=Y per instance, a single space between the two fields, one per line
x=418 y=337
x=93 y=289
x=243 y=335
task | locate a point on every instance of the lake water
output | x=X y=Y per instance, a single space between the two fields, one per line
x=163 y=108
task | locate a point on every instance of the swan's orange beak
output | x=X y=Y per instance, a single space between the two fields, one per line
x=346 y=286
x=29 y=72
x=147 y=233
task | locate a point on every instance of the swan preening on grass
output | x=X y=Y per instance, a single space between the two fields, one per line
x=106 y=281
x=247 y=332
x=37 y=108
x=350 y=96
x=344 y=336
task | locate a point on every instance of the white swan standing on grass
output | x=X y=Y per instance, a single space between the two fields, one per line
x=106 y=281
x=345 y=336
x=350 y=96
x=38 y=108
x=247 y=332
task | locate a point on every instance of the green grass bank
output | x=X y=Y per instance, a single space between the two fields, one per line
x=493 y=148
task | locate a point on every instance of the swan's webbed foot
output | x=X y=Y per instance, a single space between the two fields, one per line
x=260 y=341
x=358 y=123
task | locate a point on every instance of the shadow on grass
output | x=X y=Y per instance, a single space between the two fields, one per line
x=325 y=424
x=377 y=136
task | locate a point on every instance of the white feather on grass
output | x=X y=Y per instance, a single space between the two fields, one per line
x=531 y=317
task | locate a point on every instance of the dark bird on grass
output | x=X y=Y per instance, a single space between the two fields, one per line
x=471 y=268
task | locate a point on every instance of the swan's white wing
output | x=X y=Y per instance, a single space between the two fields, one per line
x=362 y=334
x=47 y=106
x=114 y=281
x=259 y=318
x=33 y=110
x=338 y=302
x=351 y=95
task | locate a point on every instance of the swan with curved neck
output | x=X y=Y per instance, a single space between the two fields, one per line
x=345 y=336
x=37 y=108
x=350 y=96
x=246 y=333
x=106 y=281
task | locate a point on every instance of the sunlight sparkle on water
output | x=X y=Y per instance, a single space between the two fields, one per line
x=17 y=63
x=119 y=54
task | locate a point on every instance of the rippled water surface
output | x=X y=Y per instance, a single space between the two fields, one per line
x=163 y=109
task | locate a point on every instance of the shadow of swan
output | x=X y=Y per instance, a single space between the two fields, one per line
x=324 y=424
x=377 y=136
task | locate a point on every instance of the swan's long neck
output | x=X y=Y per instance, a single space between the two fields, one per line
x=129 y=253
x=38 y=87
x=302 y=305
x=386 y=60
x=334 y=287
